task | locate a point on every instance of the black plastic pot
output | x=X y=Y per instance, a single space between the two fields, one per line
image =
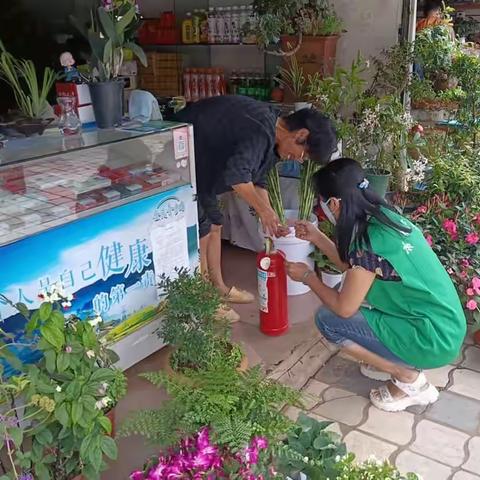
x=107 y=101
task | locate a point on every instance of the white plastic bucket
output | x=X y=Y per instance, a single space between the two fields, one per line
x=295 y=250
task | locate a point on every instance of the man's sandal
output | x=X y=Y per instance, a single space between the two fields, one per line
x=420 y=392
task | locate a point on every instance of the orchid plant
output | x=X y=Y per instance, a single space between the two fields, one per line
x=200 y=457
x=453 y=231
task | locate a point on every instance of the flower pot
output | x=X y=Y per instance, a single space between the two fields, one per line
x=332 y=280
x=315 y=54
x=107 y=101
x=295 y=250
x=166 y=364
x=379 y=181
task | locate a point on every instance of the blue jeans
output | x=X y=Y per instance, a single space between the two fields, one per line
x=345 y=331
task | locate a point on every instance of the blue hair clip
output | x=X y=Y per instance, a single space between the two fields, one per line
x=363 y=185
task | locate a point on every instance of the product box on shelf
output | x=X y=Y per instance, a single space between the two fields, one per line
x=81 y=92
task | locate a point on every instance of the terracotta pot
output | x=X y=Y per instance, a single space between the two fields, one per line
x=476 y=337
x=170 y=371
x=316 y=54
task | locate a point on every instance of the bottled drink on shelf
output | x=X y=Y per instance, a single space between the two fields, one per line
x=227 y=22
x=194 y=92
x=235 y=25
x=187 y=78
x=202 y=83
x=203 y=26
x=212 y=25
x=234 y=82
x=196 y=18
x=220 y=31
x=187 y=29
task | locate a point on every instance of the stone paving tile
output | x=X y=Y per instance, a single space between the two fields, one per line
x=364 y=446
x=440 y=443
x=466 y=382
x=292 y=413
x=348 y=410
x=439 y=376
x=312 y=392
x=465 y=476
x=396 y=427
x=428 y=469
x=473 y=463
x=456 y=411
x=472 y=359
x=343 y=373
x=334 y=393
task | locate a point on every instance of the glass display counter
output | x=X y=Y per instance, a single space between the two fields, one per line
x=105 y=214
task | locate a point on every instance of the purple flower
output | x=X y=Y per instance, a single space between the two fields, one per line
x=107 y=5
x=26 y=476
x=260 y=442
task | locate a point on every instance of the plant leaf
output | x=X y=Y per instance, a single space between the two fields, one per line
x=108 y=25
x=77 y=411
x=106 y=424
x=61 y=414
x=138 y=52
x=109 y=447
x=16 y=435
x=53 y=335
x=45 y=311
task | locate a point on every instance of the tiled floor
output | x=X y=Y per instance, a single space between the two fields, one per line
x=441 y=442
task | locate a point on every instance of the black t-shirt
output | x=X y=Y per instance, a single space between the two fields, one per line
x=234 y=141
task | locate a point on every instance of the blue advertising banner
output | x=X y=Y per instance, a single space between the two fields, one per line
x=110 y=262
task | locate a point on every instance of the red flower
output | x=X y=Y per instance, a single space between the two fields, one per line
x=472 y=238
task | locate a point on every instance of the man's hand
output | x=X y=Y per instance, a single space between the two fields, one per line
x=270 y=221
x=298 y=271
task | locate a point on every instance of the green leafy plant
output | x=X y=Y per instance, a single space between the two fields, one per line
x=30 y=92
x=293 y=79
x=64 y=397
x=109 y=34
x=323 y=263
x=191 y=324
x=372 y=469
x=306 y=192
x=294 y=17
x=275 y=194
x=310 y=449
x=236 y=406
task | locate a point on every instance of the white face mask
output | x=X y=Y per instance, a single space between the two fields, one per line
x=328 y=213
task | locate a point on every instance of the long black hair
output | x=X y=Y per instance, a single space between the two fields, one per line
x=431 y=5
x=344 y=179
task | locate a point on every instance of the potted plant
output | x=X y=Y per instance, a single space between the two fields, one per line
x=291 y=78
x=68 y=433
x=191 y=327
x=30 y=92
x=308 y=29
x=331 y=276
x=109 y=35
x=235 y=406
x=199 y=456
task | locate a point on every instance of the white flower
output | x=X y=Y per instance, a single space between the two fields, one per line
x=58 y=389
x=103 y=403
x=103 y=388
x=66 y=304
x=90 y=354
x=94 y=322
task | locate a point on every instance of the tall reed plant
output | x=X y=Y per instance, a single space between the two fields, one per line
x=306 y=192
x=30 y=93
x=273 y=186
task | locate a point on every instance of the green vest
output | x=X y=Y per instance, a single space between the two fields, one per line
x=420 y=318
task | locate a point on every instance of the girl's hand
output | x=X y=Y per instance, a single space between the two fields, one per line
x=298 y=272
x=307 y=231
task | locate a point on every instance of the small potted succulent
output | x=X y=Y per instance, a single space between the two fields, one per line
x=30 y=92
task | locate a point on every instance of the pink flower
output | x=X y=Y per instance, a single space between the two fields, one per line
x=472 y=238
x=463 y=274
x=465 y=263
x=470 y=292
x=476 y=218
x=421 y=210
x=476 y=285
x=450 y=227
x=137 y=476
x=68 y=349
x=429 y=239
x=472 y=305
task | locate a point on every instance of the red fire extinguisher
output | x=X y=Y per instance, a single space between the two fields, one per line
x=272 y=291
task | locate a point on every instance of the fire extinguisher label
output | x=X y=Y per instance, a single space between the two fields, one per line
x=262 y=290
